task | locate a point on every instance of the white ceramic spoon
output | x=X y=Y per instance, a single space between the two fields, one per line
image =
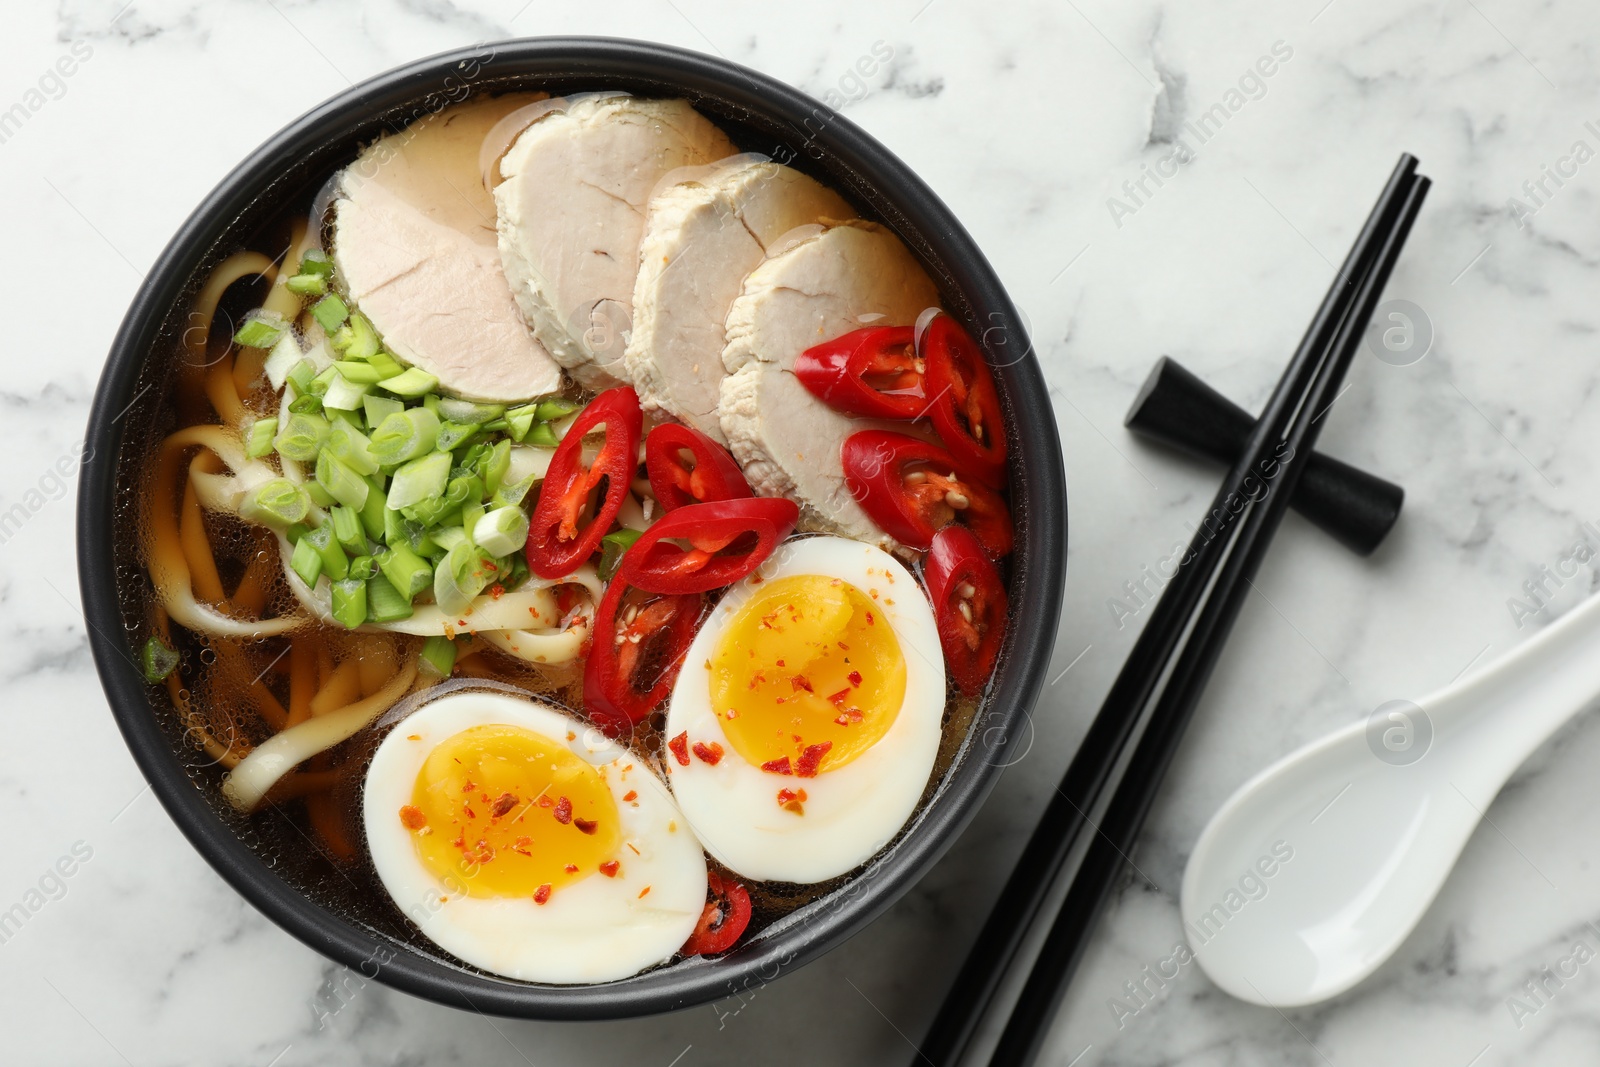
x=1315 y=871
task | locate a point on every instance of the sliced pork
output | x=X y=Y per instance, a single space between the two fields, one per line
x=571 y=213
x=703 y=235
x=834 y=280
x=414 y=241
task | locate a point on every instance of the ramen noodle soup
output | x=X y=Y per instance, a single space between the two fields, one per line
x=569 y=545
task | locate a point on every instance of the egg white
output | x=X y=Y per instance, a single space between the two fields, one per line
x=594 y=930
x=851 y=812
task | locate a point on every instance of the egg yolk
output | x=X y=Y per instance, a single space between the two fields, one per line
x=808 y=671
x=501 y=811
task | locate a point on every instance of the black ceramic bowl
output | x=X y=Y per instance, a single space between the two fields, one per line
x=762 y=115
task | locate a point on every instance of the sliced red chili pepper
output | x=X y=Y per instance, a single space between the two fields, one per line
x=639 y=643
x=911 y=489
x=727 y=540
x=873 y=371
x=713 y=476
x=964 y=405
x=560 y=537
x=726 y=915
x=969 y=606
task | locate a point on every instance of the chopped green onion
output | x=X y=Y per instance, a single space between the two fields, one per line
x=439 y=656
x=360 y=373
x=394 y=526
x=465 y=411
x=519 y=572
x=496 y=462
x=306 y=561
x=344 y=393
x=350 y=602
x=347 y=530
x=316 y=261
x=258 y=442
x=404 y=435
x=300 y=376
x=448 y=537
x=330 y=313
x=413 y=382
x=385 y=364
x=454 y=434
x=420 y=541
x=377 y=408
x=156 y=660
x=261 y=329
x=470 y=514
x=465 y=572
x=513 y=494
x=555 y=408
x=284 y=357
x=307 y=404
x=424 y=478
x=341 y=483
x=356 y=339
x=278 y=503
x=520 y=420
x=502 y=531
x=373 y=514
x=335 y=564
x=407 y=572
x=307 y=284
x=543 y=435
x=351 y=447
x=612 y=547
x=319 y=496
x=463 y=488
x=363 y=567
x=325 y=378
x=384 y=602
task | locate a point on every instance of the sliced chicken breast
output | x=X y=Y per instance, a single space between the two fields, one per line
x=414 y=242
x=837 y=279
x=571 y=212
x=704 y=233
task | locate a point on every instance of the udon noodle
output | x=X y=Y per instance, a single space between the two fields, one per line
x=280 y=689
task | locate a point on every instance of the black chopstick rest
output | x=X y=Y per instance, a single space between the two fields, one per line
x=1177 y=408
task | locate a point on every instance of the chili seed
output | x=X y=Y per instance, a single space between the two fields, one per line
x=967 y=591
x=966 y=610
x=916 y=477
x=957 y=500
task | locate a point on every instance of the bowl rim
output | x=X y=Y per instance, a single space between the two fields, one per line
x=919 y=217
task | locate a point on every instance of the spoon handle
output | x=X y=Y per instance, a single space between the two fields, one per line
x=1516 y=702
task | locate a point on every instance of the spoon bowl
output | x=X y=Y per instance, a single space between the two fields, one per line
x=1316 y=870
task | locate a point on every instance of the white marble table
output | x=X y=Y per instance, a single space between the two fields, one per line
x=1028 y=119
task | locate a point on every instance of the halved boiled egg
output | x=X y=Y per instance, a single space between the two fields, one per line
x=525 y=843
x=806 y=718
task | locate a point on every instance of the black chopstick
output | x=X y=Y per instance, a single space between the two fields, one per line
x=1064 y=817
x=1093 y=881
